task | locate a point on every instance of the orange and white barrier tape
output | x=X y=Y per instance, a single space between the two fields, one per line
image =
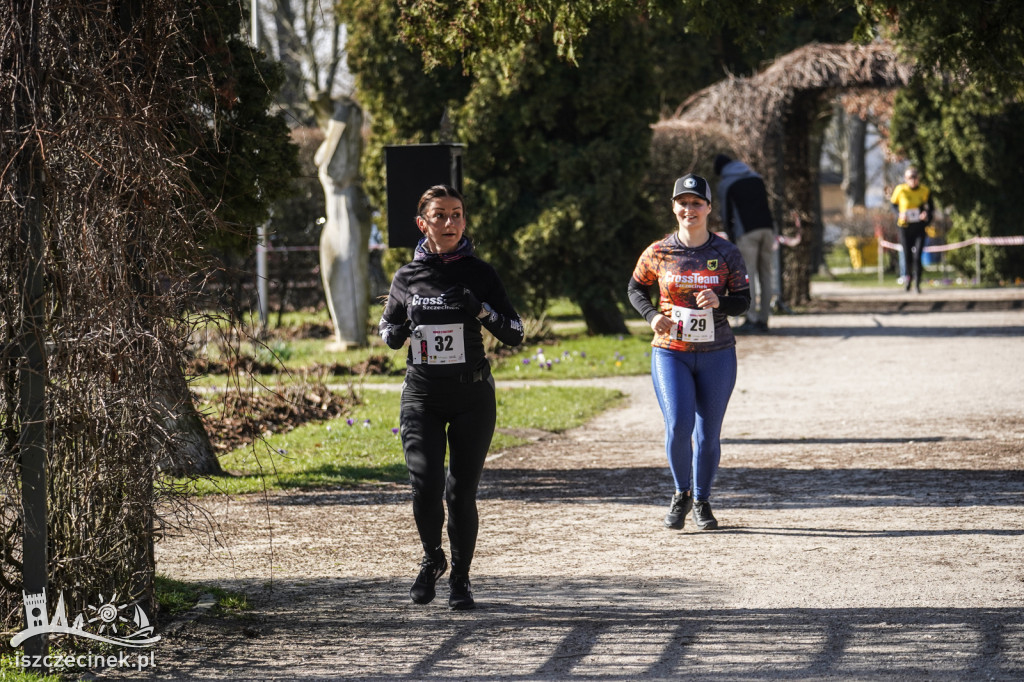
x=982 y=241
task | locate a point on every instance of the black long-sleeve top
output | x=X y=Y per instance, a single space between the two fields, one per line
x=416 y=308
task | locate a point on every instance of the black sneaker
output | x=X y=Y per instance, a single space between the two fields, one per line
x=702 y=515
x=422 y=591
x=678 y=509
x=461 y=597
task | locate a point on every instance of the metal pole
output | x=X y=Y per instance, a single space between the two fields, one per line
x=32 y=368
x=261 y=272
x=254 y=23
x=261 y=231
x=881 y=262
x=977 y=262
x=777 y=275
x=32 y=440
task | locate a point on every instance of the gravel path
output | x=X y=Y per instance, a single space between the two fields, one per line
x=870 y=498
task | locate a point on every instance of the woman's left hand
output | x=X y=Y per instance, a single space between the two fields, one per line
x=706 y=298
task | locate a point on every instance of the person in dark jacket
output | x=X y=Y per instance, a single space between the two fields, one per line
x=747 y=220
x=701 y=280
x=441 y=302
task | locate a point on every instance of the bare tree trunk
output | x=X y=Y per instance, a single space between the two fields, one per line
x=290 y=51
x=603 y=317
x=854 y=166
x=800 y=154
x=188 y=447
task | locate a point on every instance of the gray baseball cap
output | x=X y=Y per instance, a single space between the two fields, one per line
x=692 y=184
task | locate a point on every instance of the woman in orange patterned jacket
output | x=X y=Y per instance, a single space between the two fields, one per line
x=701 y=279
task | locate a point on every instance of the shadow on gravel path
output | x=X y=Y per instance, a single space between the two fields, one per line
x=595 y=628
x=871 y=498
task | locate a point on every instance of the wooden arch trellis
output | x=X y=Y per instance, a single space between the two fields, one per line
x=775 y=121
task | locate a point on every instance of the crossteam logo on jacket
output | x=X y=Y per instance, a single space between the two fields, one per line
x=695 y=278
x=427 y=300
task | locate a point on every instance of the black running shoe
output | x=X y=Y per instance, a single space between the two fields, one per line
x=422 y=591
x=461 y=597
x=677 y=511
x=703 y=517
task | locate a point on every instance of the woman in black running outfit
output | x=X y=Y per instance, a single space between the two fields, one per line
x=441 y=301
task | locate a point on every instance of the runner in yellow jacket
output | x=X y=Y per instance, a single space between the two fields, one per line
x=912 y=203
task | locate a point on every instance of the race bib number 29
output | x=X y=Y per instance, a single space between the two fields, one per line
x=692 y=326
x=438 y=344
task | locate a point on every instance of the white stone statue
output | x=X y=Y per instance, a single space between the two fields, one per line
x=344 y=241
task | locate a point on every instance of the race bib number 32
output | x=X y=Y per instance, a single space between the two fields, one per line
x=438 y=344
x=692 y=326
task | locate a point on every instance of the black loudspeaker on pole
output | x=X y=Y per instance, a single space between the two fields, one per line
x=411 y=169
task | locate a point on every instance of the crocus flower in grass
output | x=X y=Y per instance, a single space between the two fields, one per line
x=366 y=424
x=394 y=430
x=350 y=421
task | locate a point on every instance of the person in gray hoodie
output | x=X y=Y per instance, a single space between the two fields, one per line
x=747 y=221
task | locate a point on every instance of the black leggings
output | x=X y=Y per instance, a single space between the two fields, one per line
x=462 y=416
x=912 y=240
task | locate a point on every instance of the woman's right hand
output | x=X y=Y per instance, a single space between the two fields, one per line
x=394 y=335
x=661 y=324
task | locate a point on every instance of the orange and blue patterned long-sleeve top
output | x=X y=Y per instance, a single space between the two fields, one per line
x=681 y=272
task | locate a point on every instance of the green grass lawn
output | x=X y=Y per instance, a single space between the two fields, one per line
x=176 y=597
x=579 y=356
x=9 y=672
x=567 y=353
x=364 y=446
x=839 y=263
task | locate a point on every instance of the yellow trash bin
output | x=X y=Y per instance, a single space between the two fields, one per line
x=863 y=252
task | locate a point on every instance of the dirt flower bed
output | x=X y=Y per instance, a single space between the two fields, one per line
x=237 y=418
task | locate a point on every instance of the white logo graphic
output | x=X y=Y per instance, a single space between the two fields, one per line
x=689 y=182
x=106 y=621
x=427 y=300
x=694 y=278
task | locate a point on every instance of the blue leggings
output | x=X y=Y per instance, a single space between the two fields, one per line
x=693 y=391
